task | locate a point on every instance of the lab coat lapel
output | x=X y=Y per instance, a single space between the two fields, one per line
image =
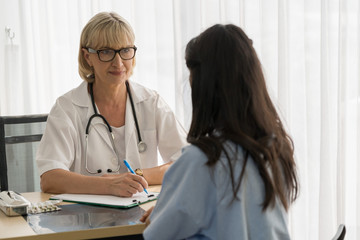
x=100 y=128
x=131 y=141
x=97 y=125
x=81 y=98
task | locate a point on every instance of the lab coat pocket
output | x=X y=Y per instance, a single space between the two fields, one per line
x=149 y=158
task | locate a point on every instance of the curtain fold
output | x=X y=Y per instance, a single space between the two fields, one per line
x=310 y=53
x=12 y=85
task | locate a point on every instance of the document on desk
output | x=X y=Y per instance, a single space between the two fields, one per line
x=108 y=200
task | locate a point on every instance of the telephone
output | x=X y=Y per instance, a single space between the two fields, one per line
x=13 y=204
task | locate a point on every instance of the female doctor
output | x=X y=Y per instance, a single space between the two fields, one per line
x=106 y=119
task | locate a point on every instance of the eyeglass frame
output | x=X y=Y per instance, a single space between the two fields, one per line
x=91 y=50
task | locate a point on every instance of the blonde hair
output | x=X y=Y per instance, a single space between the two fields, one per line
x=105 y=29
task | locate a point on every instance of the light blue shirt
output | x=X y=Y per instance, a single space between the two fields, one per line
x=196 y=202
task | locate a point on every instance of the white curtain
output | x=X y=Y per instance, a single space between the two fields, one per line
x=310 y=51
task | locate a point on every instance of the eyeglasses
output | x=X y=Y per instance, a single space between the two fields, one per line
x=107 y=55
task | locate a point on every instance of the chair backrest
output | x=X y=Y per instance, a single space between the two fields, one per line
x=19 y=138
x=340 y=233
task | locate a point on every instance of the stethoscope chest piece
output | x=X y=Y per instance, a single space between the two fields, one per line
x=142 y=147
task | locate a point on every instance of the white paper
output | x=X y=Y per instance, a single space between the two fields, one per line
x=108 y=200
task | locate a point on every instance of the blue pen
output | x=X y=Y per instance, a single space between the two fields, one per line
x=132 y=171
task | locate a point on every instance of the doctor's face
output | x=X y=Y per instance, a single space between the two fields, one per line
x=112 y=65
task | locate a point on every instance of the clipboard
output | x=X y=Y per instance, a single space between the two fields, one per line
x=108 y=200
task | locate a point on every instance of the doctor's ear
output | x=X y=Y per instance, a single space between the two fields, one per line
x=86 y=55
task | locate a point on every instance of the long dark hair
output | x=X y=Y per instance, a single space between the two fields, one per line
x=231 y=103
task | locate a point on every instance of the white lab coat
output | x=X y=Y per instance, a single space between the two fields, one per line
x=63 y=143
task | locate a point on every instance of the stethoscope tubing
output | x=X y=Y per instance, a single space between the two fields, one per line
x=133 y=110
x=141 y=145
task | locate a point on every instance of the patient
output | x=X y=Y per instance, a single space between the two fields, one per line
x=238 y=177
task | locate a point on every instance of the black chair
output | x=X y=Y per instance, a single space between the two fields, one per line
x=340 y=234
x=19 y=138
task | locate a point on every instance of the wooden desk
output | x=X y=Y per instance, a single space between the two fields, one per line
x=18 y=228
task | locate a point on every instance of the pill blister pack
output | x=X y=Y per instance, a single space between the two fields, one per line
x=43 y=207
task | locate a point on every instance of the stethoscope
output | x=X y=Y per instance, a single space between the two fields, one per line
x=141 y=145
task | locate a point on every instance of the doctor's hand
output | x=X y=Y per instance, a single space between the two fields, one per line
x=125 y=184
